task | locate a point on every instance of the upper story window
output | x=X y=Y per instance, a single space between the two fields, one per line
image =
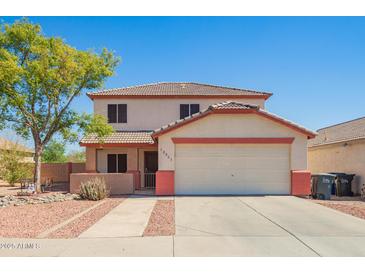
x=117 y=113
x=188 y=109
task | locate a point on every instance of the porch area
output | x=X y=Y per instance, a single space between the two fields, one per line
x=125 y=169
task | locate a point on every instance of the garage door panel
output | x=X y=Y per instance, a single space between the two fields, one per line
x=229 y=189
x=233 y=162
x=232 y=169
x=239 y=178
x=262 y=189
x=271 y=151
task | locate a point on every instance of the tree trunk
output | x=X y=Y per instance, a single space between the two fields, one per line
x=37 y=168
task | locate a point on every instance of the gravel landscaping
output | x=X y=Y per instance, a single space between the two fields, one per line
x=75 y=228
x=36 y=199
x=28 y=221
x=162 y=220
x=353 y=207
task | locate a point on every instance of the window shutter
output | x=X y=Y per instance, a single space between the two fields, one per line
x=112 y=113
x=112 y=163
x=194 y=108
x=184 y=111
x=122 y=163
x=122 y=113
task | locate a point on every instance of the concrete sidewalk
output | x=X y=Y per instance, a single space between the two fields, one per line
x=98 y=247
x=129 y=219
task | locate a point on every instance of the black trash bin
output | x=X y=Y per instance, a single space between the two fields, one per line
x=321 y=185
x=343 y=183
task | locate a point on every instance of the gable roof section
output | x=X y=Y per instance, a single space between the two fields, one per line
x=176 y=90
x=119 y=138
x=347 y=131
x=233 y=108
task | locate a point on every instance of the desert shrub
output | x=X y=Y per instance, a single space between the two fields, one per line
x=94 y=189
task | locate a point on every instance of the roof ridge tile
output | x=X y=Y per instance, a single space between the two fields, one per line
x=178 y=89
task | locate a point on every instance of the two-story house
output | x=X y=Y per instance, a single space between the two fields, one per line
x=189 y=138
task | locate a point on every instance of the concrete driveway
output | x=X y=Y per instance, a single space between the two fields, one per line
x=264 y=226
x=214 y=226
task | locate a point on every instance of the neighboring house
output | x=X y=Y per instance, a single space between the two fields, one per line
x=9 y=145
x=189 y=138
x=340 y=148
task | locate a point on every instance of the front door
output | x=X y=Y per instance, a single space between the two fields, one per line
x=150 y=168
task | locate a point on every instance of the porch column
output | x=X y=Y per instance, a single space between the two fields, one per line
x=132 y=166
x=90 y=164
x=165 y=184
x=300 y=182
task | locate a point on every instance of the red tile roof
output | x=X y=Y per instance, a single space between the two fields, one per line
x=177 y=90
x=232 y=105
x=119 y=137
x=347 y=131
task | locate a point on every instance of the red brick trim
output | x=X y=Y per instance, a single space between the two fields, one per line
x=232 y=140
x=165 y=182
x=300 y=182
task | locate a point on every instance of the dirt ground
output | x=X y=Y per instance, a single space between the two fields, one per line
x=6 y=189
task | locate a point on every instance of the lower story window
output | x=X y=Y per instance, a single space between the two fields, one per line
x=117 y=163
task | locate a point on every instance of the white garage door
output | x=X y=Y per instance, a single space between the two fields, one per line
x=232 y=169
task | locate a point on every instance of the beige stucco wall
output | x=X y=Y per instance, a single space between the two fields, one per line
x=237 y=125
x=135 y=157
x=116 y=183
x=90 y=159
x=150 y=114
x=102 y=155
x=348 y=158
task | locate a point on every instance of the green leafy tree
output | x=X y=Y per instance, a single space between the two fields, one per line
x=13 y=167
x=39 y=79
x=54 y=152
x=76 y=157
x=96 y=124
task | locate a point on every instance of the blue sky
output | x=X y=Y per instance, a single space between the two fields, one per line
x=315 y=66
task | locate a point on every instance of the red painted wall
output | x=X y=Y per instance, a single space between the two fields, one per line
x=165 y=182
x=300 y=182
